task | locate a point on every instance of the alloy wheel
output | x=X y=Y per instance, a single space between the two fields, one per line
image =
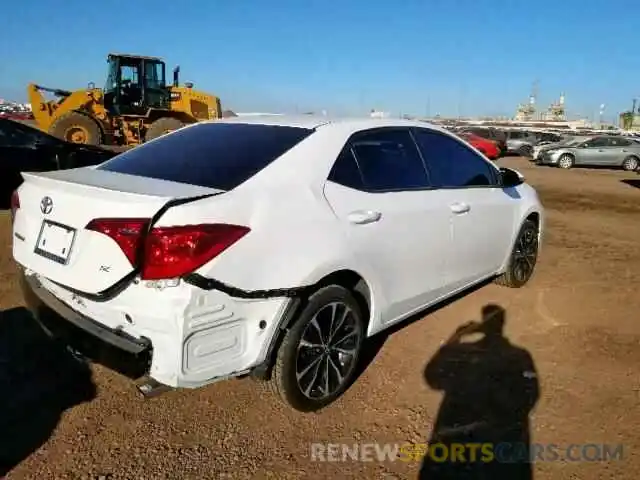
x=630 y=164
x=327 y=351
x=565 y=161
x=525 y=254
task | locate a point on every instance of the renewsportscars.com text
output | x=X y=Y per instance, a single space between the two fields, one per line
x=467 y=452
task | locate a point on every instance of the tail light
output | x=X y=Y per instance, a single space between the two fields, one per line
x=15 y=204
x=125 y=231
x=169 y=252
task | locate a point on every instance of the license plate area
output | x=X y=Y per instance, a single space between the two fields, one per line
x=55 y=241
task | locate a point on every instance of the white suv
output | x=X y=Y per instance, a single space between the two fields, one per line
x=273 y=246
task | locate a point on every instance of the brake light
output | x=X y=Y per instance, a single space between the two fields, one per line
x=15 y=204
x=169 y=252
x=125 y=231
x=172 y=252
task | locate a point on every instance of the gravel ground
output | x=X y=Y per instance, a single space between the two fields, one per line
x=577 y=320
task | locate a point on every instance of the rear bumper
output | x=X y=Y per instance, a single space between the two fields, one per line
x=112 y=348
x=187 y=340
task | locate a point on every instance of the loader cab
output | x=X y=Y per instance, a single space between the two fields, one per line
x=135 y=84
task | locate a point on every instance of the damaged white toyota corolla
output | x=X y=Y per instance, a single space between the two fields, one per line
x=271 y=246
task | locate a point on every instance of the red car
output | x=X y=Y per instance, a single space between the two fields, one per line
x=489 y=148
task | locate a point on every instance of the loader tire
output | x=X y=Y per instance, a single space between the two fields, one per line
x=162 y=126
x=75 y=127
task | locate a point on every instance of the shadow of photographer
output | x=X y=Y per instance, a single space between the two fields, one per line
x=490 y=386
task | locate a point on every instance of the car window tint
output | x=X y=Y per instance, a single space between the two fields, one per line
x=389 y=160
x=11 y=136
x=345 y=170
x=620 y=142
x=598 y=142
x=215 y=155
x=451 y=164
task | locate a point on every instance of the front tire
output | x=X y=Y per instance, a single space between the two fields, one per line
x=630 y=164
x=523 y=258
x=75 y=127
x=566 y=161
x=525 y=151
x=318 y=357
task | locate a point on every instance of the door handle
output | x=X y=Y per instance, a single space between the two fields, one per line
x=361 y=217
x=459 y=208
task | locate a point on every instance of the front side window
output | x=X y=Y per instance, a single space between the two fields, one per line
x=451 y=164
x=597 y=142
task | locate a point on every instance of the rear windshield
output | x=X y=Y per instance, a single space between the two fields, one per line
x=215 y=155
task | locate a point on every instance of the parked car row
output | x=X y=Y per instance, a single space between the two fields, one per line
x=600 y=150
x=488 y=148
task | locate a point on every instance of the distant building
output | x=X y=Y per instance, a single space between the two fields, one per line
x=630 y=121
x=377 y=114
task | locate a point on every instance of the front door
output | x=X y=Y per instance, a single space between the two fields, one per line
x=482 y=213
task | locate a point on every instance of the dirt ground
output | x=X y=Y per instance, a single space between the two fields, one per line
x=579 y=319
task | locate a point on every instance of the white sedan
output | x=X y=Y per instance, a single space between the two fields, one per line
x=270 y=246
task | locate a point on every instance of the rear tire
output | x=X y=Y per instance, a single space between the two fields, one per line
x=523 y=258
x=318 y=357
x=163 y=126
x=525 y=151
x=566 y=161
x=630 y=164
x=75 y=127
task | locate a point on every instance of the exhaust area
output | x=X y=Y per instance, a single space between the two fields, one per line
x=150 y=388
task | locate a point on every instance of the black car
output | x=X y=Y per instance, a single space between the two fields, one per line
x=27 y=149
x=491 y=133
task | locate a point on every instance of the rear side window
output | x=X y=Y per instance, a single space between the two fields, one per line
x=389 y=160
x=345 y=171
x=215 y=155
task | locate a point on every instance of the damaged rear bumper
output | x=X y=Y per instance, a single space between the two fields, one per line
x=114 y=349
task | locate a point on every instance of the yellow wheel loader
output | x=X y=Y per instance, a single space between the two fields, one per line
x=135 y=106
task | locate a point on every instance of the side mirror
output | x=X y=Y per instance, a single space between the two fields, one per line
x=511 y=178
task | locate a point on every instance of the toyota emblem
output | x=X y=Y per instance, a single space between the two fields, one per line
x=46 y=205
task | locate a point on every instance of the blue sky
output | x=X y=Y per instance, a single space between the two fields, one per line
x=406 y=56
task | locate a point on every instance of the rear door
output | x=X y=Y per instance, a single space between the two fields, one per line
x=394 y=222
x=619 y=151
x=481 y=212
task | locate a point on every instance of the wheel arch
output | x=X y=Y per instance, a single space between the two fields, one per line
x=348 y=278
x=537 y=216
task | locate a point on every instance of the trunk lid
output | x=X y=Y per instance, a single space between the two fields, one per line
x=55 y=207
